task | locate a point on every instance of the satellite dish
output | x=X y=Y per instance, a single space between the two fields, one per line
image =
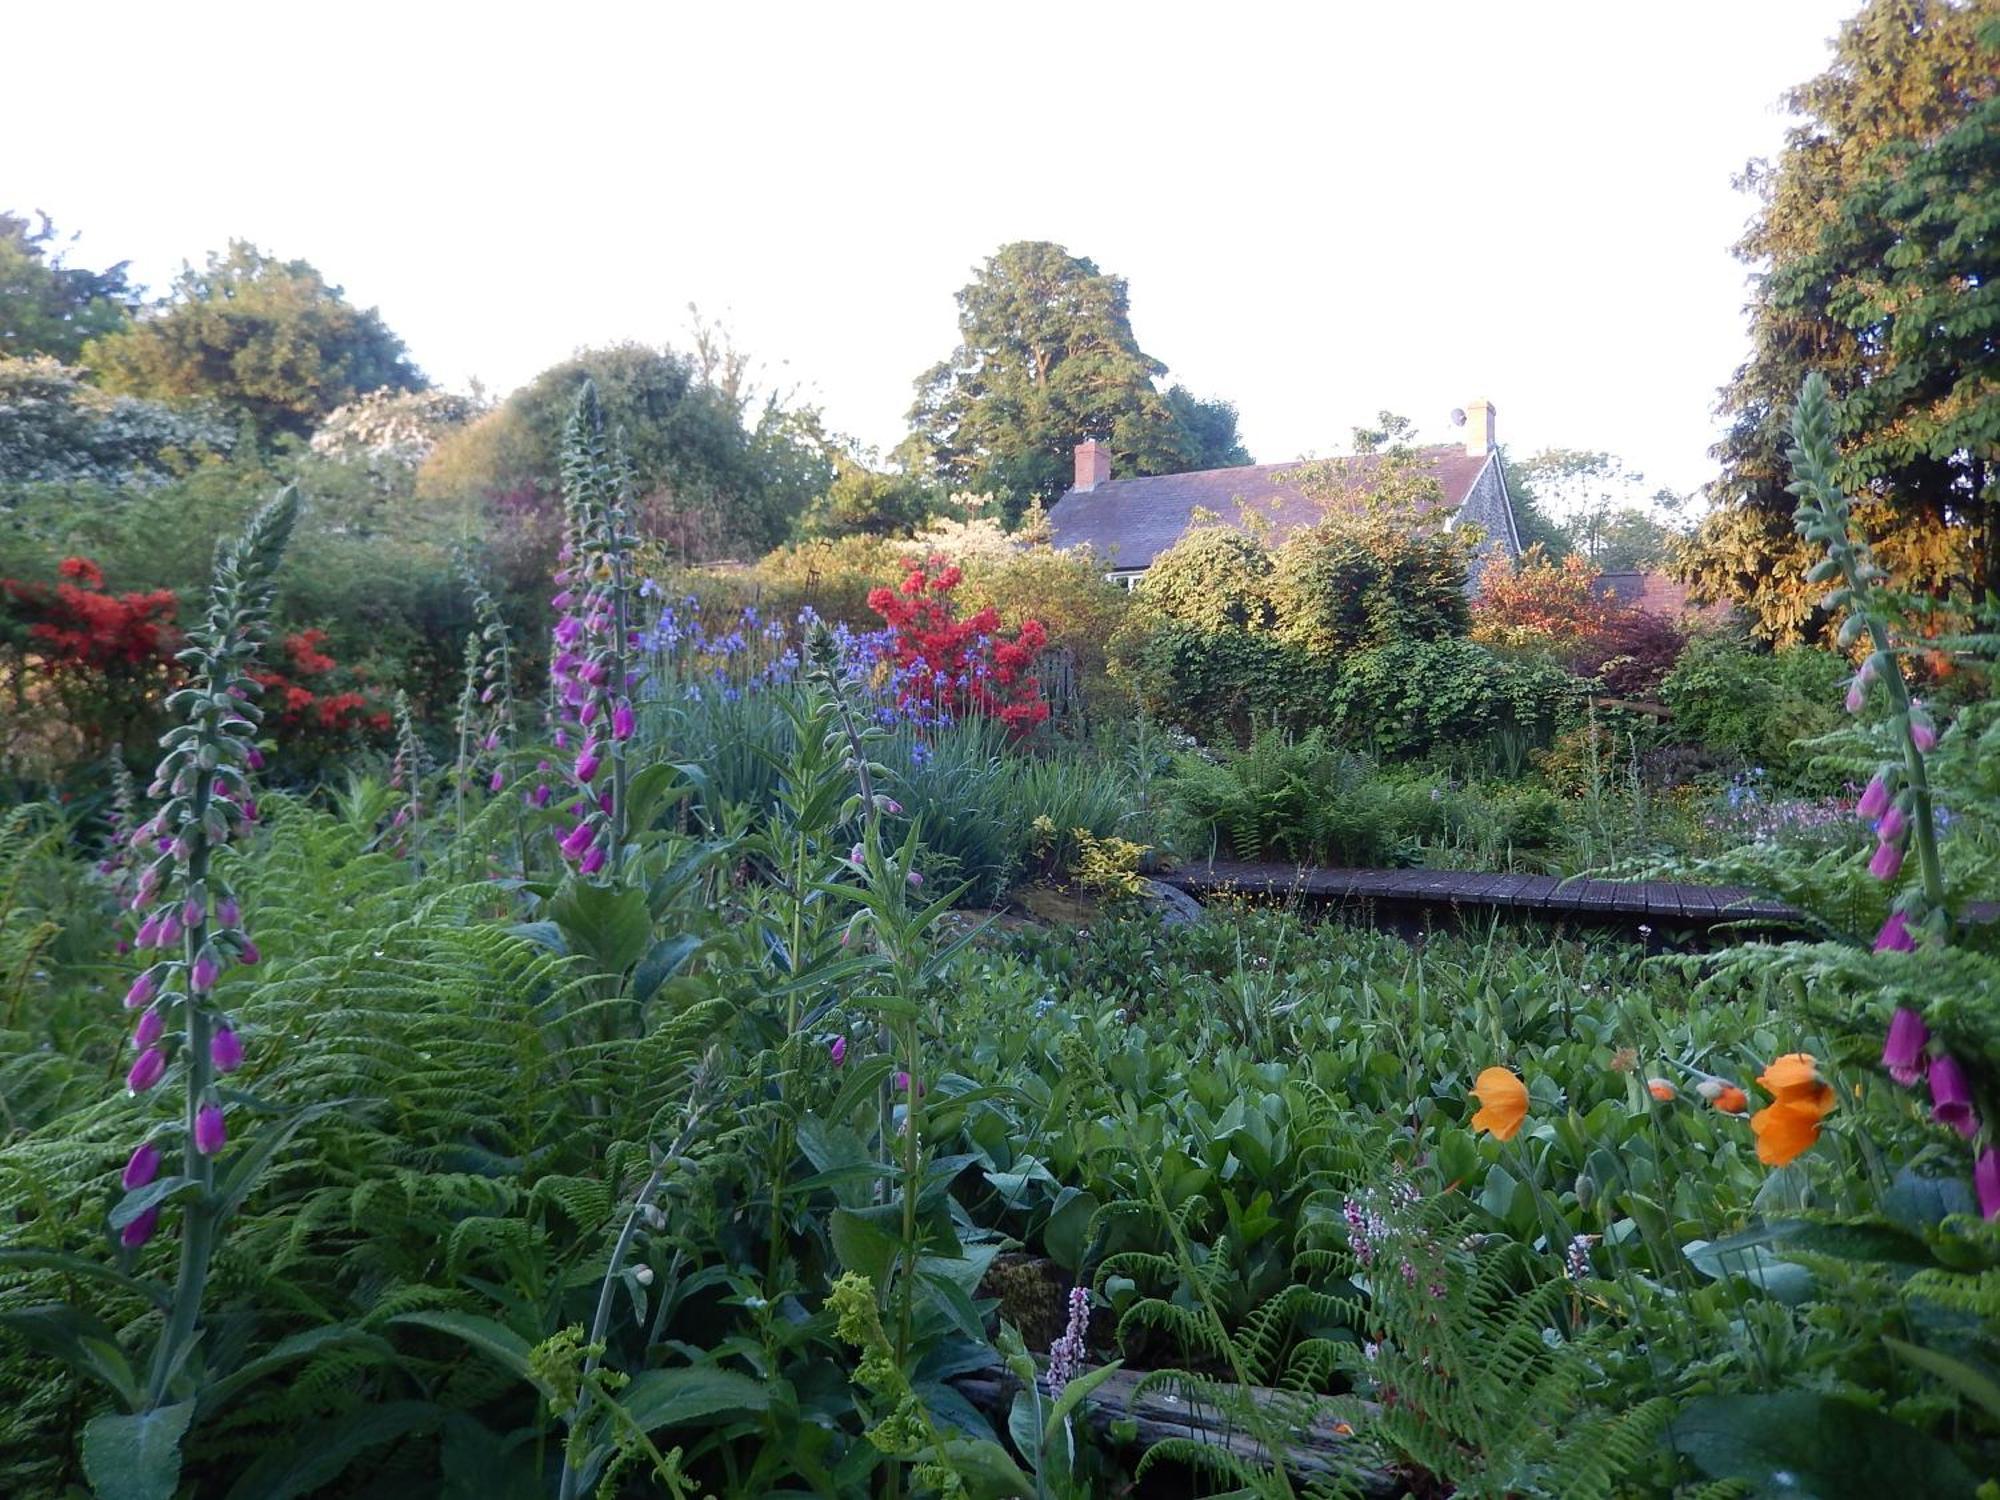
x=1458 y=416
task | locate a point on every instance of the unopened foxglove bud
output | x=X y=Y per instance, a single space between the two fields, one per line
x=146 y=1071
x=142 y=1167
x=211 y=1134
x=147 y=1033
x=225 y=1050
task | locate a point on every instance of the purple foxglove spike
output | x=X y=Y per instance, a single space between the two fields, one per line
x=593 y=861
x=210 y=1132
x=496 y=781
x=135 y=1234
x=143 y=989
x=622 y=722
x=141 y=1167
x=1893 y=826
x=587 y=715
x=1895 y=936
x=1986 y=1181
x=1951 y=1098
x=207 y=969
x=1903 y=1053
x=1887 y=863
x=149 y=1030
x=228 y=913
x=170 y=929
x=579 y=840
x=248 y=955
x=225 y=1050
x=146 y=1071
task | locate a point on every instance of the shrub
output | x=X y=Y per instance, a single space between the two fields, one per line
x=1755 y=705
x=1080 y=610
x=1359 y=581
x=1535 y=599
x=1453 y=698
x=1213 y=579
x=959 y=667
x=56 y=429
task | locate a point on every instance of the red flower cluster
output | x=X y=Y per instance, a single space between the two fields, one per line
x=296 y=709
x=77 y=629
x=959 y=666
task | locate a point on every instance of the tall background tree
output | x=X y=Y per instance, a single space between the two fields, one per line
x=48 y=306
x=269 y=341
x=1878 y=264
x=1047 y=358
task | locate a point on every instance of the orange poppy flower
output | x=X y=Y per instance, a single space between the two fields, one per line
x=1787 y=1127
x=1731 y=1100
x=1661 y=1090
x=1504 y=1103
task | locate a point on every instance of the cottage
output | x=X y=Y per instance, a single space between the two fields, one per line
x=1129 y=522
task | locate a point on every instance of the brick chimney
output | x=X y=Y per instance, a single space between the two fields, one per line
x=1093 y=464
x=1479 y=440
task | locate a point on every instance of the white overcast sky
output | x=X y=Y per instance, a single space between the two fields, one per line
x=1322 y=209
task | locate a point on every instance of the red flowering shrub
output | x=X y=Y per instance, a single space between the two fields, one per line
x=951 y=667
x=83 y=665
x=315 y=724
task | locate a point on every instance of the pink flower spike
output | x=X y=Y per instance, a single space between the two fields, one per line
x=1893 y=826
x=1986 y=1180
x=149 y=1030
x=210 y=1133
x=1951 y=1097
x=146 y=1071
x=142 y=1167
x=225 y=1050
x=1895 y=936
x=1887 y=863
x=135 y=1234
x=1903 y=1052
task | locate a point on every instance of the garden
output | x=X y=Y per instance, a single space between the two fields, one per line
x=749 y=1060
x=612 y=940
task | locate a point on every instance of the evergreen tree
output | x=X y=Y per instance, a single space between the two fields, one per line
x=1047 y=358
x=49 y=307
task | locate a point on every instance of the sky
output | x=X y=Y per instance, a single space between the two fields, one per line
x=1322 y=210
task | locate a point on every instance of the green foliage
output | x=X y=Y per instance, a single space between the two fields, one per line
x=1352 y=584
x=1453 y=699
x=55 y=429
x=264 y=339
x=1047 y=358
x=1212 y=579
x=49 y=307
x=1756 y=706
x=865 y=502
x=709 y=483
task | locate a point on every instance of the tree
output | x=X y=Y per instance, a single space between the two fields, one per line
x=709 y=485
x=57 y=429
x=1047 y=358
x=268 y=340
x=1877 y=266
x=863 y=501
x=49 y=307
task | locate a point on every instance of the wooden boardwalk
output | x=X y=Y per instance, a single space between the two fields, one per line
x=1654 y=903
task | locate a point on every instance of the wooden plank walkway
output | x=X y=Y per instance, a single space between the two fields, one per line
x=1652 y=903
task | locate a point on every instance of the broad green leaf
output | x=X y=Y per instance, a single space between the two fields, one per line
x=1801 y=1445
x=138 y=1200
x=77 y=1265
x=607 y=923
x=1752 y=1261
x=320 y=1455
x=1064 y=1235
x=136 y=1457
x=82 y=1342
x=862 y=1244
x=1074 y=1393
x=669 y=1398
x=497 y=1341
x=660 y=962
x=1972 y=1381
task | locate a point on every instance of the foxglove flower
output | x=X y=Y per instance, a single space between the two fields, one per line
x=496 y=781
x=146 y=1071
x=141 y=1167
x=247 y=953
x=1874 y=800
x=592 y=862
x=580 y=839
x=228 y=913
x=143 y=989
x=838 y=1051
x=1951 y=1098
x=1903 y=1054
x=1893 y=826
x=225 y=1050
x=1895 y=936
x=622 y=722
x=1986 y=1180
x=587 y=763
x=205 y=971
x=140 y=1230
x=1922 y=732
x=1887 y=863
x=147 y=1033
x=210 y=1134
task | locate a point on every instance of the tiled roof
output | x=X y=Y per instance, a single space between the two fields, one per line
x=1129 y=522
x=1654 y=593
